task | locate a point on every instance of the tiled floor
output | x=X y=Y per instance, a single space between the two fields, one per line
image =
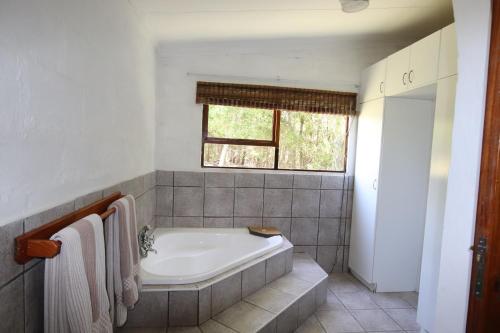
x=351 y=307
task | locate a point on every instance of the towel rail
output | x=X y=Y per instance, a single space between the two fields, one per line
x=37 y=244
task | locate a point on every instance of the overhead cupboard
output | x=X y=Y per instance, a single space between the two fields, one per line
x=399 y=103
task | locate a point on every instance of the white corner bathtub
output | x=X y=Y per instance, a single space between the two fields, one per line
x=190 y=255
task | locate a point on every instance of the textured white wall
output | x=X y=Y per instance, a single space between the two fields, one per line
x=306 y=63
x=76 y=101
x=473 y=26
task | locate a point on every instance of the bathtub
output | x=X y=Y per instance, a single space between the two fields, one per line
x=190 y=255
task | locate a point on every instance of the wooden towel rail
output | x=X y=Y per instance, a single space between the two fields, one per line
x=37 y=244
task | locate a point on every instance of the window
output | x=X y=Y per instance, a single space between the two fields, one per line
x=244 y=137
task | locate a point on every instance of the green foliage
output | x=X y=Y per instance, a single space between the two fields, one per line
x=307 y=141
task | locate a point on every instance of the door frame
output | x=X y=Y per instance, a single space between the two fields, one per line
x=484 y=297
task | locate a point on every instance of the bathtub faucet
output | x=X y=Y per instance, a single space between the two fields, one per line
x=146 y=241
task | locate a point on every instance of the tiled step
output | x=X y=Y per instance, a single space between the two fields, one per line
x=282 y=305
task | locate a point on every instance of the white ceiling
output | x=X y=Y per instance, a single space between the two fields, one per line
x=179 y=20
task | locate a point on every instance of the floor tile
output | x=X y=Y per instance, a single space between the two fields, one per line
x=338 y=321
x=311 y=325
x=389 y=301
x=406 y=318
x=244 y=317
x=411 y=297
x=375 y=320
x=359 y=300
x=343 y=283
x=332 y=303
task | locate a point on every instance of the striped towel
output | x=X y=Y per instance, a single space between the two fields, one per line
x=122 y=259
x=75 y=281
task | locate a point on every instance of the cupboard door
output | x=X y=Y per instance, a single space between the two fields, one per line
x=424 y=60
x=396 y=80
x=448 y=52
x=373 y=81
x=361 y=253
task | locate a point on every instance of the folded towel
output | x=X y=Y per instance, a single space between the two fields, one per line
x=122 y=259
x=75 y=281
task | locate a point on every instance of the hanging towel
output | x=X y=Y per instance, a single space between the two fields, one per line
x=75 y=281
x=122 y=259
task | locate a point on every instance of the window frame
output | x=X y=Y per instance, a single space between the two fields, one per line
x=274 y=142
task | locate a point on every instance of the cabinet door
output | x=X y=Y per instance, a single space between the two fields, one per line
x=396 y=80
x=373 y=81
x=368 y=146
x=424 y=59
x=448 y=52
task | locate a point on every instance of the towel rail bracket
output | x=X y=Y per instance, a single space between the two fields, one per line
x=37 y=244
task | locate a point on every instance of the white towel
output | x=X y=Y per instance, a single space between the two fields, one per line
x=75 y=281
x=122 y=259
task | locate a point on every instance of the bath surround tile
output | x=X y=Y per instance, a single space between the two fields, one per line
x=278 y=181
x=283 y=224
x=243 y=222
x=331 y=203
x=33 y=298
x=215 y=179
x=88 y=199
x=321 y=292
x=307 y=181
x=164 y=200
x=219 y=202
x=183 y=308
x=188 y=222
x=310 y=250
x=226 y=293
x=253 y=278
x=150 y=311
x=189 y=178
x=248 y=202
x=188 y=201
x=287 y=321
x=291 y=285
x=165 y=178
x=164 y=222
x=304 y=231
x=277 y=203
x=212 y=326
x=331 y=231
x=12 y=316
x=275 y=267
x=270 y=299
x=249 y=180
x=204 y=305
x=9 y=268
x=330 y=258
x=335 y=182
x=244 y=317
x=47 y=216
x=218 y=222
x=307 y=306
x=305 y=203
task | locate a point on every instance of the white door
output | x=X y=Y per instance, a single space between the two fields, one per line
x=396 y=80
x=373 y=81
x=424 y=60
x=448 y=52
x=365 y=189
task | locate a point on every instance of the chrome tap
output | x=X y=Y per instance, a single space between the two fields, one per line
x=146 y=241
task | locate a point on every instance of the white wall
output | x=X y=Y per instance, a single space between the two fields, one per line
x=76 y=101
x=473 y=25
x=311 y=63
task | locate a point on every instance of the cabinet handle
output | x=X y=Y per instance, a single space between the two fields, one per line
x=381 y=87
x=410 y=76
x=374 y=185
x=404 y=78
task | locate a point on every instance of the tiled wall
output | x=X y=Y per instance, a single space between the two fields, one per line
x=312 y=211
x=21 y=286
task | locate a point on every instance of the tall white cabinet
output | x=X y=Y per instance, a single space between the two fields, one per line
x=392 y=163
x=394 y=198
